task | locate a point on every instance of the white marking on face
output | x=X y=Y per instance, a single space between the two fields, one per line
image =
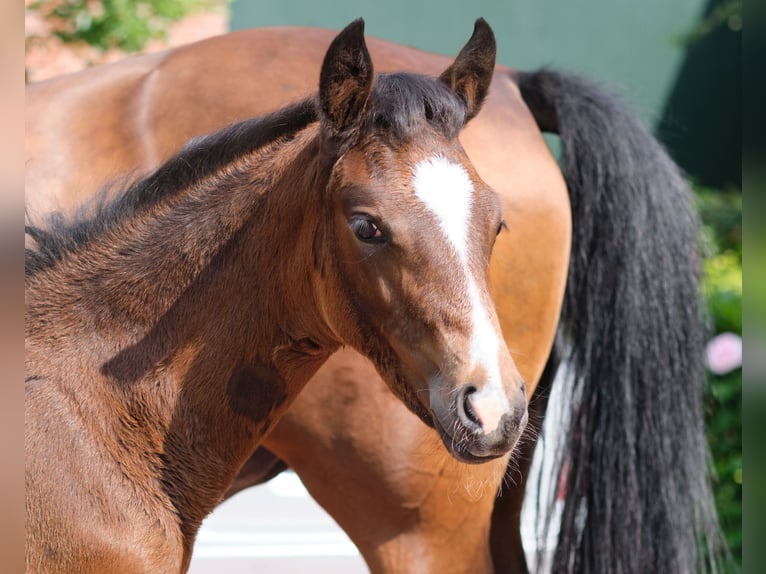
x=446 y=190
x=489 y=402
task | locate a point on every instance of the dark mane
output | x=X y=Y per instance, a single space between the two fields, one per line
x=200 y=157
x=400 y=102
x=398 y=106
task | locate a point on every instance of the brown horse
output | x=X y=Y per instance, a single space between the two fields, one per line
x=171 y=328
x=400 y=501
x=407 y=505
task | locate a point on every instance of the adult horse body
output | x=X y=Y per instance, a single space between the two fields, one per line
x=407 y=505
x=168 y=330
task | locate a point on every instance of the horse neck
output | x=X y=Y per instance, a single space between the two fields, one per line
x=200 y=312
x=241 y=237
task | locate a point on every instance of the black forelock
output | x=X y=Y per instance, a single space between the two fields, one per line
x=401 y=102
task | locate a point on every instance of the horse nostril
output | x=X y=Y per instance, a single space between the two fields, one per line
x=470 y=417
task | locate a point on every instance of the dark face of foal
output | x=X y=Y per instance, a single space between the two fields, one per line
x=413 y=228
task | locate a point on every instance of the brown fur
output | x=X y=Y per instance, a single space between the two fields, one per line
x=400 y=499
x=147 y=324
x=140 y=345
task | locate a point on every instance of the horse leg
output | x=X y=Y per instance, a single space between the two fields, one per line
x=384 y=476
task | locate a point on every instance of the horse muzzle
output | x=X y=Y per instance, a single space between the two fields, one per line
x=479 y=425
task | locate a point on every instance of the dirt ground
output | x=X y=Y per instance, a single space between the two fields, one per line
x=47 y=56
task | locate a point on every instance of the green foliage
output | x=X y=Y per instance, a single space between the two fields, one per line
x=124 y=24
x=723 y=290
x=721 y=214
x=724 y=431
x=726 y=13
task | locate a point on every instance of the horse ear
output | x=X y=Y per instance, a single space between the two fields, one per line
x=346 y=79
x=470 y=74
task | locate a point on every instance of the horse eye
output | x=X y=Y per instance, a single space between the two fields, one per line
x=501 y=226
x=366 y=229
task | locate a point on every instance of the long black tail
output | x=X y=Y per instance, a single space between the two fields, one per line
x=638 y=496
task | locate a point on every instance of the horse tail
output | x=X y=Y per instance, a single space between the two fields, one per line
x=635 y=461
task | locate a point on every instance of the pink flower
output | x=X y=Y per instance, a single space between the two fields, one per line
x=724 y=353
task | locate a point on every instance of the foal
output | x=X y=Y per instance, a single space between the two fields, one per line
x=166 y=334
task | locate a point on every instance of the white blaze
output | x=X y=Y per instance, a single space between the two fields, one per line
x=489 y=402
x=447 y=191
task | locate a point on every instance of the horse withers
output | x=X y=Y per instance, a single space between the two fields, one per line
x=170 y=329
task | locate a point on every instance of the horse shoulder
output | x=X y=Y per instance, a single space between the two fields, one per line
x=108 y=523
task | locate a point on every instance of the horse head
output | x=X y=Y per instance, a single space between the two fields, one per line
x=404 y=271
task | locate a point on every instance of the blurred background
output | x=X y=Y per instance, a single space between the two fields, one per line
x=678 y=63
